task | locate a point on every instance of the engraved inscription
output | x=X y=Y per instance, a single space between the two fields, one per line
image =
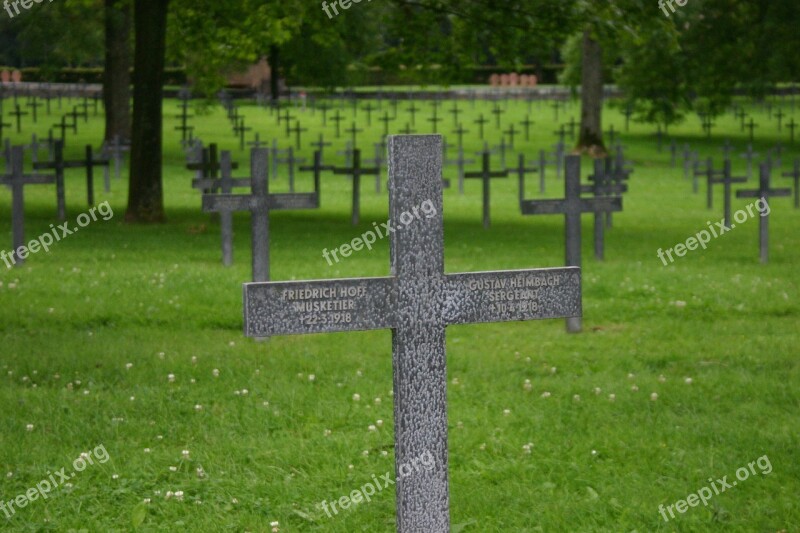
x=323 y=305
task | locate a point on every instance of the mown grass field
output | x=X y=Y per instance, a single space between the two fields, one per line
x=130 y=337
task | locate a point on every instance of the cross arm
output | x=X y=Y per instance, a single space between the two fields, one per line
x=298 y=307
x=213 y=183
x=288 y=201
x=231 y=202
x=512 y=295
x=756 y=193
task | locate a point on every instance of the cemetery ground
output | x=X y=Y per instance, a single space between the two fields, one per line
x=131 y=337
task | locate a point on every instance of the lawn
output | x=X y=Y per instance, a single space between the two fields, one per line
x=128 y=340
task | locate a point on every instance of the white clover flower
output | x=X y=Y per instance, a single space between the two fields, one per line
x=311 y=377
x=372 y=428
x=179 y=495
x=546 y=394
x=597 y=390
x=147 y=450
x=128 y=366
x=635 y=388
x=506 y=412
x=576 y=397
x=377 y=400
x=527 y=385
x=654 y=396
x=612 y=397
x=688 y=381
x=215 y=372
x=185 y=454
x=356 y=397
x=173 y=468
x=29 y=427
x=198 y=407
x=379 y=423
x=171 y=378
x=326 y=433
x=662 y=379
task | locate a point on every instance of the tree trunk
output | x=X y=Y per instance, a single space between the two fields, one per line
x=145 y=194
x=117 y=76
x=591 y=137
x=274 y=77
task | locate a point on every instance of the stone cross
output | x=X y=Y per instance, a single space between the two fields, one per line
x=460 y=162
x=369 y=108
x=496 y=111
x=571 y=207
x=378 y=162
x=749 y=155
x=751 y=125
x=791 y=126
x=320 y=146
x=338 y=118
x=208 y=170
x=455 y=111
x=386 y=119
x=779 y=115
x=526 y=124
x=727 y=180
x=259 y=203
x=3 y=125
x=17 y=180
x=607 y=180
x=412 y=109
x=511 y=132
x=764 y=192
x=480 y=121
x=521 y=170
x=460 y=131
x=417 y=302
x=435 y=119
x=290 y=162
x=353 y=131
x=486 y=175
x=795 y=174
x=58 y=164
x=18 y=113
x=355 y=172
x=572 y=125
x=34 y=104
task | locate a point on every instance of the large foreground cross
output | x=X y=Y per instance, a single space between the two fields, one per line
x=417 y=302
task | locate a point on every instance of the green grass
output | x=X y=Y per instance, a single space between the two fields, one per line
x=158 y=298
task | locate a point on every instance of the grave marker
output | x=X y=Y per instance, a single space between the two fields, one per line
x=765 y=193
x=16 y=180
x=572 y=206
x=795 y=174
x=355 y=172
x=486 y=175
x=418 y=301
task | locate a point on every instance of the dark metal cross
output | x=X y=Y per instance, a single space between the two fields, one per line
x=16 y=179
x=34 y=104
x=18 y=113
x=297 y=130
x=460 y=163
x=259 y=203
x=526 y=124
x=455 y=111
x=320 y=146
x=791 y=125
x=355 y=172
x=369 y=108
x=480 y=121
x=727 y=180
x=413 y=110
x=486 y=175
x=521 y=170
x=751 y=125
x=353 y=131
x=763 y=193
x=417 y=302
x=795 y=174
x=572 y=125
x=386 y=119
x=435 y=119
x=572 y=206
x=779 y=115
x=497 y=111
x=749 y=155
x=511 y=132
x=337 y=118
x=460 y=131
